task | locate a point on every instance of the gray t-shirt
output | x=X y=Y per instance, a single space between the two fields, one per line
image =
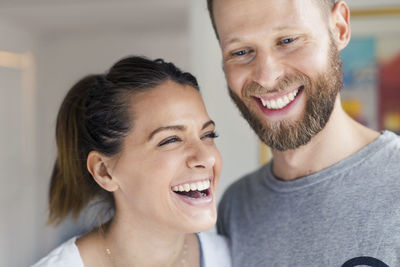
x=349 y=212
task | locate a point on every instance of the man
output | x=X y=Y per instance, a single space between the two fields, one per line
x=331 y=195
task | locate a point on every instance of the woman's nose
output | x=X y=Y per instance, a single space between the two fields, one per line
x=201 y=156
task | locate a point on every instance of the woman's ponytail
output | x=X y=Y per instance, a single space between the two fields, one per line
x=72 y=186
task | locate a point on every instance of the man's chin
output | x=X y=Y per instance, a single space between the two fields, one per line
x=280 y=135
x=285 y=135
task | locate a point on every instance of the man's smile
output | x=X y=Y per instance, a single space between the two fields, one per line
x=279 y=101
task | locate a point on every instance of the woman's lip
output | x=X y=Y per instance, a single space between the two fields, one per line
x=203 y=201
x=210 y=178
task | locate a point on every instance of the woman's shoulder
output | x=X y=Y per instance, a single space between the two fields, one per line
x=215 y=250
x=67 y=254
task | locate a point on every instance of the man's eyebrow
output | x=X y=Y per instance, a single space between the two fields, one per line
x=284 y=27
x=232 y=40
x=176 y=128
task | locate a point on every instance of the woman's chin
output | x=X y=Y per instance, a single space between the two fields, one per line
x=195 y=215
x=201 y=222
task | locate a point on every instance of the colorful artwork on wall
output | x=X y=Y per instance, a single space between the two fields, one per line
x=360 y=80
x=371 y=92
x=389 y=93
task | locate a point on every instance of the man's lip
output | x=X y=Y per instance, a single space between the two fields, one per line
x=278 y=112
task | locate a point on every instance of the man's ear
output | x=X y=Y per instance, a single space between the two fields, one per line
x=98 y=166
x=340 y=24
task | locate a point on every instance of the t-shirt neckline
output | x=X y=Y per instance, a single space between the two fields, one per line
x=329 y=172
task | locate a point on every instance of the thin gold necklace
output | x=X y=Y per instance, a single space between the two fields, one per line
x=183 y=260
x=108 y=253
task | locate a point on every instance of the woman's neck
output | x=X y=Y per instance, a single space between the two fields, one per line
x=125 y=242
x=141 y=245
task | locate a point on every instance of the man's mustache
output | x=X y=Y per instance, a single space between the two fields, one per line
x=253 y=88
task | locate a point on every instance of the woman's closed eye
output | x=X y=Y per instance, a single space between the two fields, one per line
x=210 y=135
x=169 y=140
x=175 y=139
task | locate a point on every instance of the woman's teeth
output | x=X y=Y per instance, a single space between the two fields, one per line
x=198 y=186
x=281 y=102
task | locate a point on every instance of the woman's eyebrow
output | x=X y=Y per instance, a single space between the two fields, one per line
x=166 y=128
x=205 y=125
x=176 y=128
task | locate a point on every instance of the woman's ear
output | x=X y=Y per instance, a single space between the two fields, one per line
x=98 y=166
x=340 y=24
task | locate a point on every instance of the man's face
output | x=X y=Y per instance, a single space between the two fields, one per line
x=282 y=67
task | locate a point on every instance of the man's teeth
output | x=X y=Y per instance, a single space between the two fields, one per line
x=280 y=102
x=199 y=186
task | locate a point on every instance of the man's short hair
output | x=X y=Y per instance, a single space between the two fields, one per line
x=326 y=7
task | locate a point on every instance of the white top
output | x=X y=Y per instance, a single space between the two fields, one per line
x=214 y=252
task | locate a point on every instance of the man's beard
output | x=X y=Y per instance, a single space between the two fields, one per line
x=284 y=135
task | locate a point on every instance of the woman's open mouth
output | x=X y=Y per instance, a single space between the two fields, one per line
x=194 y=193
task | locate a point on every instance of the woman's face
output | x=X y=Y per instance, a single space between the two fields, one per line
x=169 y=167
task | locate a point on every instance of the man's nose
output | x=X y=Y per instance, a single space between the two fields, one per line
x=201 y=156
x=267 y=70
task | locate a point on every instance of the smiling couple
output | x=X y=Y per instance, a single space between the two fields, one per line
x=139 y=138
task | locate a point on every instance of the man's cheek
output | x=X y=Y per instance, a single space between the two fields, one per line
x=236 y=83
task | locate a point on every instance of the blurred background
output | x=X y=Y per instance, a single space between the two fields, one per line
x=47 y=45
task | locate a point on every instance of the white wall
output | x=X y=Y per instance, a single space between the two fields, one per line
x=17 y=148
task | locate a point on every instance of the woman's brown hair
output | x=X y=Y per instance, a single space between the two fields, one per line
x=95 y=115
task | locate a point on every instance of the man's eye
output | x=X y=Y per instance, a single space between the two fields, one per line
x=169 y=141
x=240 y=53
x=287 y=41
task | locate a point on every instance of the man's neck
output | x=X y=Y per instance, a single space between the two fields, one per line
x=341 y=137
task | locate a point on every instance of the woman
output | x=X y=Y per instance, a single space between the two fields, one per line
x=139 y=138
